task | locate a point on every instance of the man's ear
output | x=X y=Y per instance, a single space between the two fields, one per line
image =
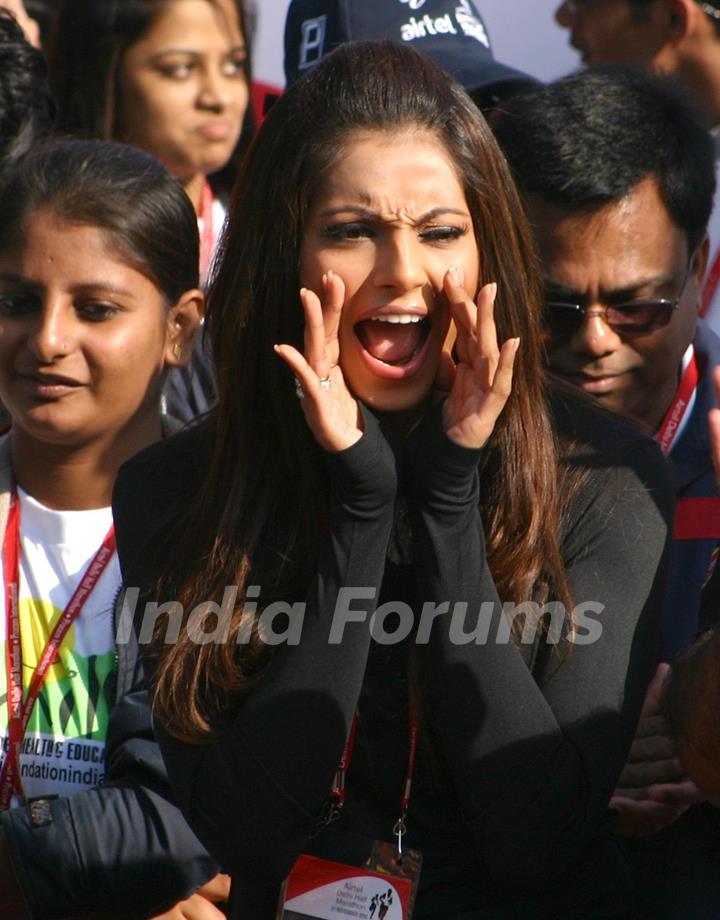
x=682 y=19
x=183 y=322
x=701 y=260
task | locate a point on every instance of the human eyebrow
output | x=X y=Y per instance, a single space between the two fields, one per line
x=642 y=287
x=193 y=52
x=367 y=214
x=362 y=213
x=14 y=278
x=561 y=292
x=617 y=295
x=439 y=212
x=159 y=56
x=104 y=287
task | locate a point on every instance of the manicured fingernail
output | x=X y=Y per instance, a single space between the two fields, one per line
x=330 y=276
x=493 y=290
x=457 y=275
x=516 y=344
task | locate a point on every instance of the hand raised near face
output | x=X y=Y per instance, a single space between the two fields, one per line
x=330 y=410
x=483 y=375
x=653 y=790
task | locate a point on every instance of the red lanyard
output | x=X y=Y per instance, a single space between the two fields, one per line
x=681 y=403
x=711 y=284
x=19 y=713
x=207 y=237
x=337 y=790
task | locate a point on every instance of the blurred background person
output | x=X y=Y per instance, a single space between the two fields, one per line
x=679 y=37
x=617 y=177
x=27 y=109
x=172 y=78
x=672 y=36
x=26 y=22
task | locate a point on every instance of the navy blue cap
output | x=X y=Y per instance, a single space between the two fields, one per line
x=451 y=32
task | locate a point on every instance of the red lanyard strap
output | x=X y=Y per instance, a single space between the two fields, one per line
x=19 y=713
x=400 y=828
x=682 y=400
x=338 y=791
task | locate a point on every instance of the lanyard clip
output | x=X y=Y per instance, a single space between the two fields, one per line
x=400 y=830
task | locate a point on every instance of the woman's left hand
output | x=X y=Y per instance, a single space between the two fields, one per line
x=483 y=375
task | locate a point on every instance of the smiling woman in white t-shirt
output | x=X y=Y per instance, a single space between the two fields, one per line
x=98 y=298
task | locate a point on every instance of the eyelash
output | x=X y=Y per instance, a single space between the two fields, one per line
x=351 y=232
x=16 y=304
x=97 y=311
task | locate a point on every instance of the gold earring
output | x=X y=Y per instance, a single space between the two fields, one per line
x=177 y=351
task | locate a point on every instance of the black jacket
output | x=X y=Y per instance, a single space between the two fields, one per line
x=518 y=824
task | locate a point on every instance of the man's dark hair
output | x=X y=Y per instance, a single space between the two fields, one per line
x=590 y=138
x=640 y=9
x=27 y=109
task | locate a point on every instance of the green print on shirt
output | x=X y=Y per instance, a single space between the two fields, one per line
x=77 y=696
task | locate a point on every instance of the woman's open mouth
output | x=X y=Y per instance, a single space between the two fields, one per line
x=395 y=344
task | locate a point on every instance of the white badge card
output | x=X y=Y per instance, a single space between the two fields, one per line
x=319 y=889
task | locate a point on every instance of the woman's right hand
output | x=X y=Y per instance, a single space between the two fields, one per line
x=331 y=411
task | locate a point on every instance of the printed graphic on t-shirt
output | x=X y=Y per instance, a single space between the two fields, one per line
x=64 y=746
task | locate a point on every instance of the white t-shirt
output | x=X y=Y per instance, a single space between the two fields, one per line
x=64 y=747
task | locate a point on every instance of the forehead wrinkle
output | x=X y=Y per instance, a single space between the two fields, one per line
x=388 y=213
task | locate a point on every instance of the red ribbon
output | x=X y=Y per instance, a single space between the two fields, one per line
x=19 y=712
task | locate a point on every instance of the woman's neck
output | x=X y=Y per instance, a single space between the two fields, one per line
x=71 y=477
x=194 y=190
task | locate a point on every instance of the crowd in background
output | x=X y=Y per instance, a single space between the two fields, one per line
x=421 y=331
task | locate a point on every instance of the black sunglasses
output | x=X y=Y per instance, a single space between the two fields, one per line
x=639 y=317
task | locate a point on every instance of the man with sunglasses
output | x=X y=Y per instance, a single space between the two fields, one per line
x=617 y=176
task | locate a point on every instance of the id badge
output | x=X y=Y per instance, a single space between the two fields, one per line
x=380 y=888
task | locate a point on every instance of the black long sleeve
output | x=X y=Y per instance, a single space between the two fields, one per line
x=534 y=758
x=254 y=796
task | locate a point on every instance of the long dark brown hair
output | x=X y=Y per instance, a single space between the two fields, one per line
x=256 y=520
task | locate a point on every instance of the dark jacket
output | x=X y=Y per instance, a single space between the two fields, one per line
x=519 y=827
x=697 y=507
x=123 y=846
